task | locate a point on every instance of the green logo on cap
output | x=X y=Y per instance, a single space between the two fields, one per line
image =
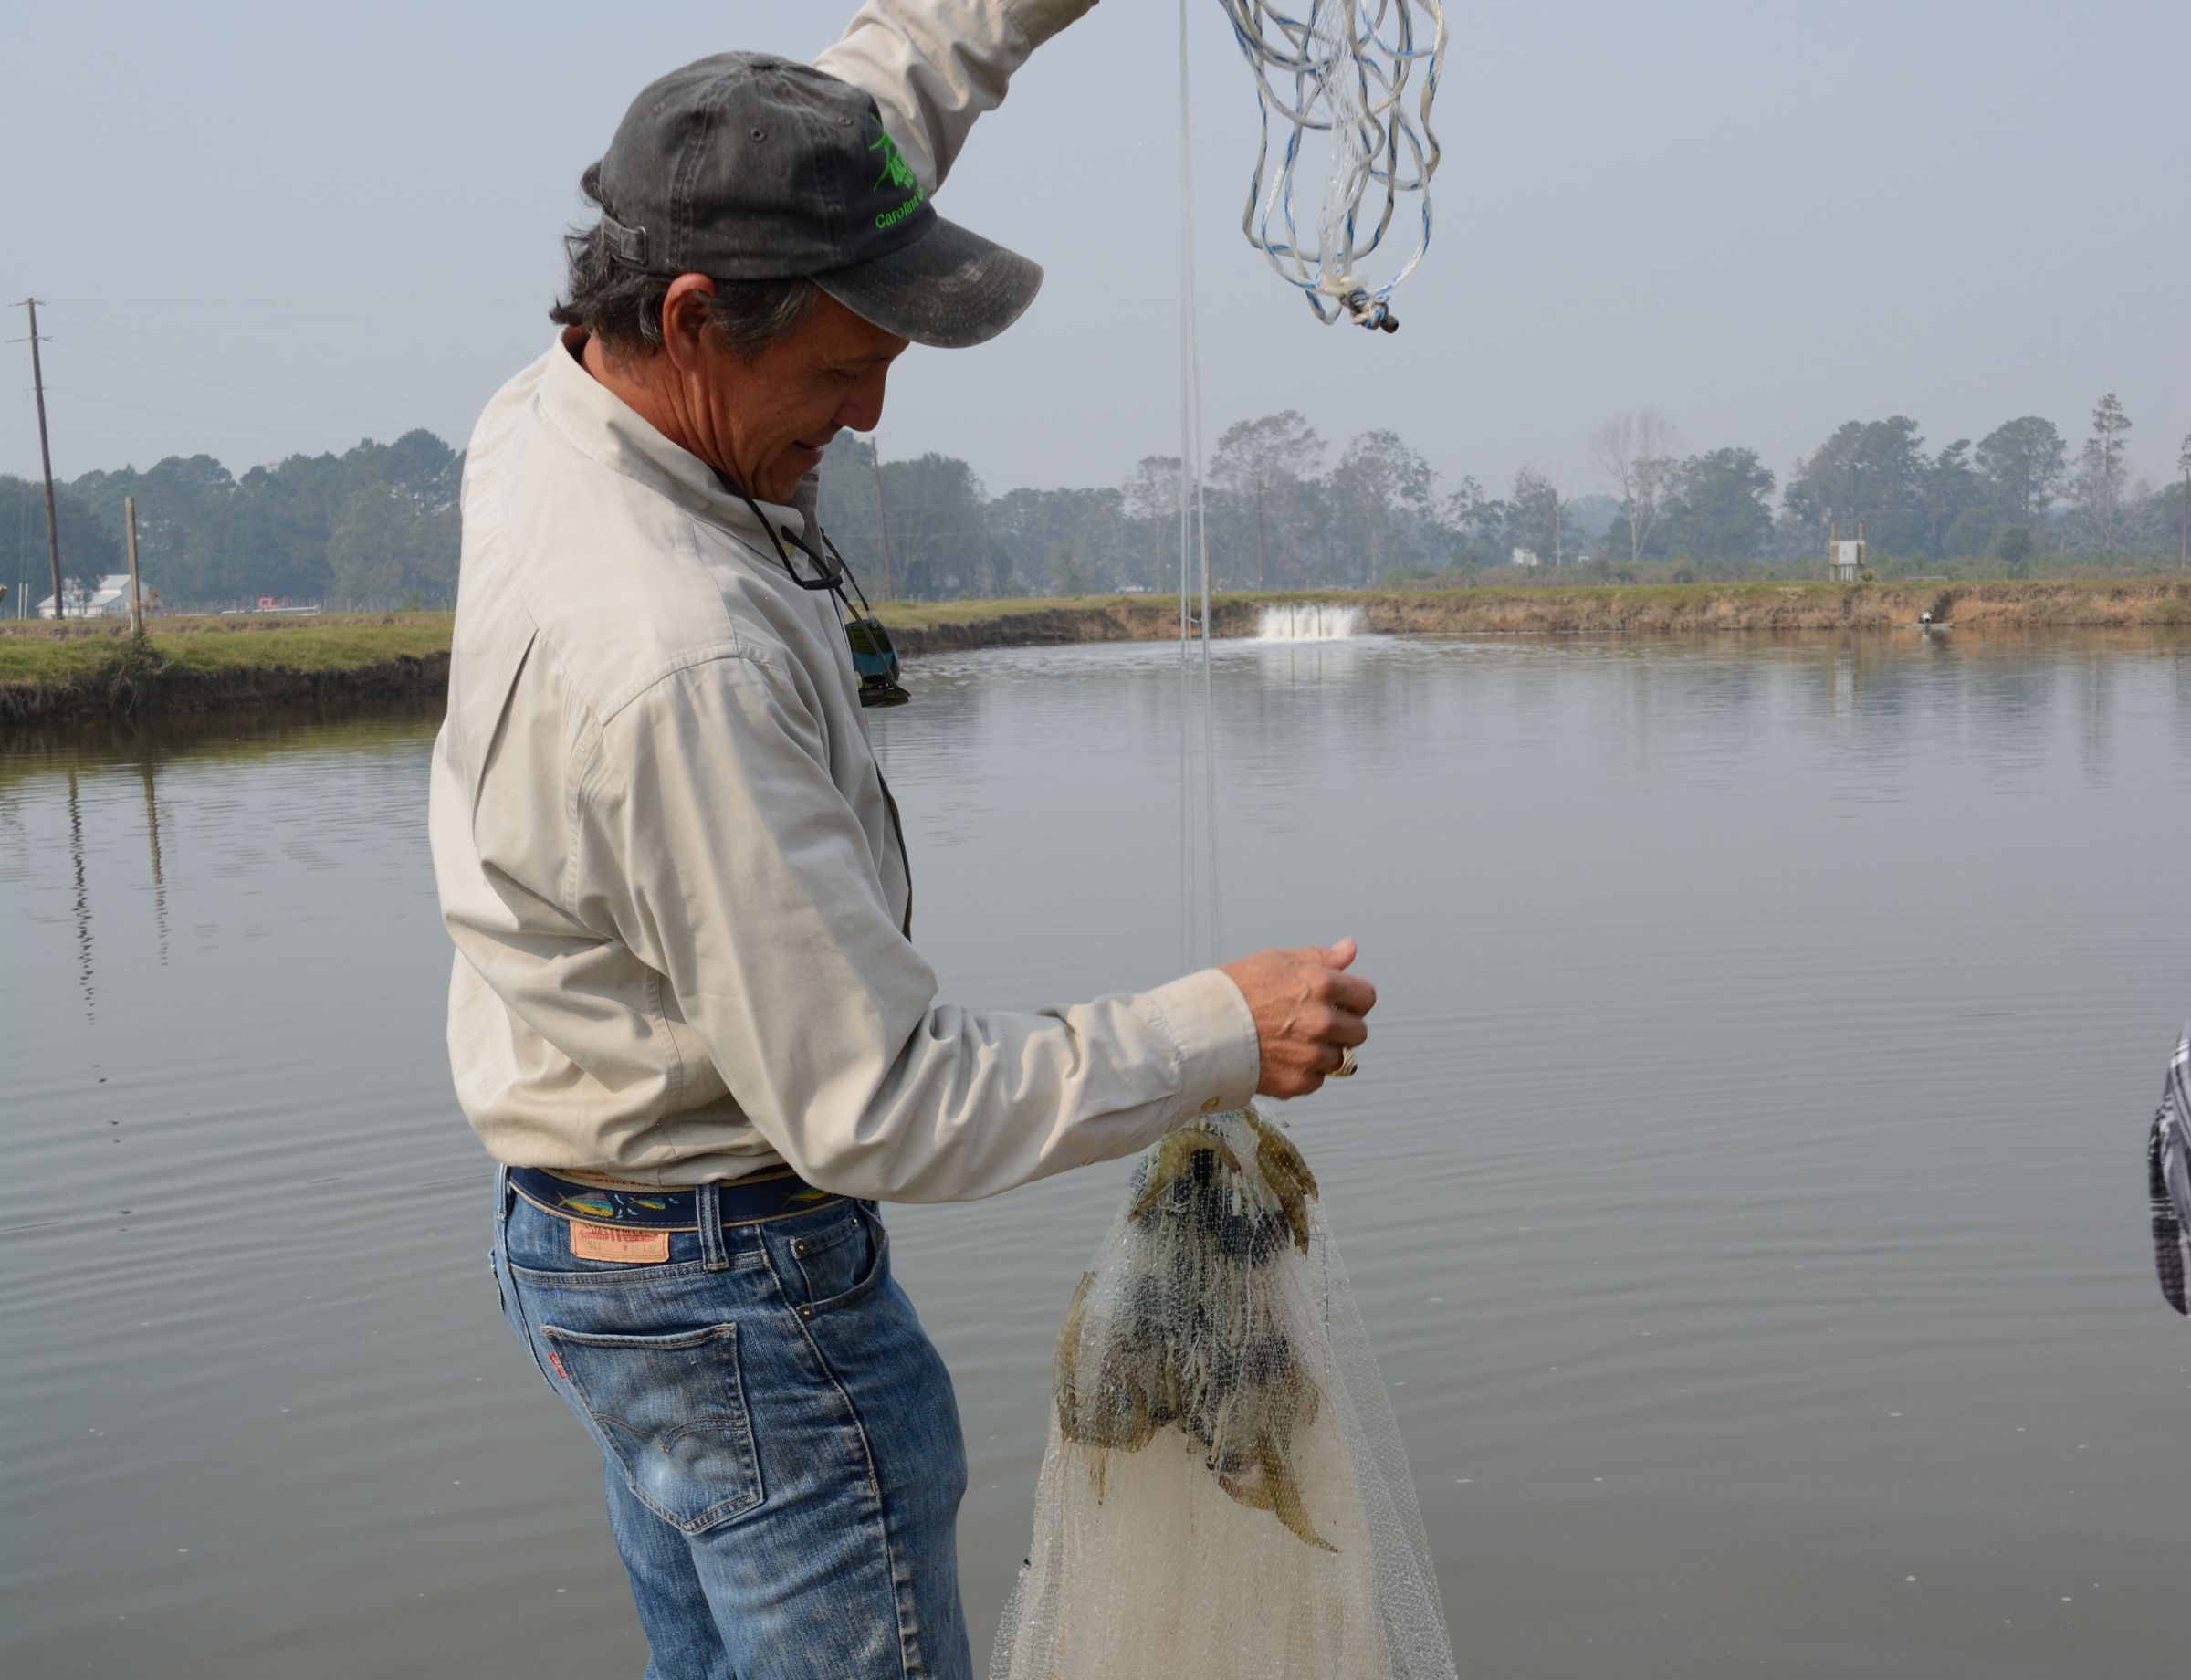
x=898 y=175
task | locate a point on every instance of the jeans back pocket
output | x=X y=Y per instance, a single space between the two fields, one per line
x=671 y=1410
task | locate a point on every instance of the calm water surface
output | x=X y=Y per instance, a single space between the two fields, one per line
x=1744 y=1187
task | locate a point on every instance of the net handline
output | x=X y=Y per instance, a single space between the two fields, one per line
x=1199 y=908
x=1224 y=1494
x=1345 y=70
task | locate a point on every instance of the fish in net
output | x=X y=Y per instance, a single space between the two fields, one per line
x=1225 y=1496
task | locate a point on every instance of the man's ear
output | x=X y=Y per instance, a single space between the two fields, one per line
x=684 y=316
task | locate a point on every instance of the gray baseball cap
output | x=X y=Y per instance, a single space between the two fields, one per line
x=744 y=166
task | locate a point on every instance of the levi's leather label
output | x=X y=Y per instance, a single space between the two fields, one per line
x=609 y=1242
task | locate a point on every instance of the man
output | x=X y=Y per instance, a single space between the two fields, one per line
x=685 y=1015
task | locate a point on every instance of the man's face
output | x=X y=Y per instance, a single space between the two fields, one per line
x=765 y=423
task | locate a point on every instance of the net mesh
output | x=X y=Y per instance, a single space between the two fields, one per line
x=1225 y=1496
x=1344 y=89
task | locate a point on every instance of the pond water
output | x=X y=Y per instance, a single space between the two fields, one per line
x=1744 y=1187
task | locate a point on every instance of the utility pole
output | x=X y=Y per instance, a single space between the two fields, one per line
x=53 y=533
x=882 y=514
x=129 y=519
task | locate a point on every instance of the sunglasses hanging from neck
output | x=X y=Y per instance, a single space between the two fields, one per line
x=874 y=658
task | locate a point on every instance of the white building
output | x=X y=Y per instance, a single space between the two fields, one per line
x=109 y=600
x=1526 y=557
x=1844 y=559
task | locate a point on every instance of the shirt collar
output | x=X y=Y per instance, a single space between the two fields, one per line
x=605 y=428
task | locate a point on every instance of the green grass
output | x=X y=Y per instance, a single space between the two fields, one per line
x=927 y=614
x=52 y=655
x=924 y=614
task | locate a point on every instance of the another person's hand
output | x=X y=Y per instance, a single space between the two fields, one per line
x=1308 y=1011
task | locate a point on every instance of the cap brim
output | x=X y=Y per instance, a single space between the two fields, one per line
x=950 y=288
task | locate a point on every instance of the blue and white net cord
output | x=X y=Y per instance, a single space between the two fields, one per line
x=1361 y=75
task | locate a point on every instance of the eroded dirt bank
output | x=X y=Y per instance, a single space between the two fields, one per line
x=136 y=687
x=386 y=659
x=1651 y=610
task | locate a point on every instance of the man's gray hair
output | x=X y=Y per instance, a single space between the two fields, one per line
x=622 y=307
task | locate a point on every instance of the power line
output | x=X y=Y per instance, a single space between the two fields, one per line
x=165 y=302
x=53 y=537
x=307 y=320
x=115 y=402
x=218 y=355
x=216 y=385
x=23 y=517
x=23 y=533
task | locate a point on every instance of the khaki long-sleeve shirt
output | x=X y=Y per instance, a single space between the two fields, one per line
x=663 y=848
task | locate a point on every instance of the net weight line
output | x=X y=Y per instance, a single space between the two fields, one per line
x=1361 y=74
x=1199 y=912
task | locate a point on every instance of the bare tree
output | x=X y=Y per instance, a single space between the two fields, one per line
x=1378 y=476
x=1534 y=515
x=1637 y=455
x=1260 y=462
x=1152 y=497
x=1477 y=522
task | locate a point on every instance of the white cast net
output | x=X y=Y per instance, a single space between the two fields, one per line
x=1225 y=1496
x=1345 y=88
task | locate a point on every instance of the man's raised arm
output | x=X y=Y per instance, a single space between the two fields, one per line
x=933 y=65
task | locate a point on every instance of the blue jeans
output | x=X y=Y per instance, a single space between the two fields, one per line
x=780 y=1438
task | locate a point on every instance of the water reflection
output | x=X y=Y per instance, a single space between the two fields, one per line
x=83 y=900
x=1741 y=1193
x=151 y=840
x=108 y=839
x=2096 y=706
x=79 y=884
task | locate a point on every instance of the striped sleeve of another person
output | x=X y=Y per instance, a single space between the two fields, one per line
x=2168 y=1175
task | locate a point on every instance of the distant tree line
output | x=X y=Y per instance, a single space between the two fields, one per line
x=377 y=527
x=1282 y=513
x=373 y=527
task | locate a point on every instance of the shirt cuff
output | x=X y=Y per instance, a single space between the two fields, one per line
x=1040 y=19
x=1220 y=1058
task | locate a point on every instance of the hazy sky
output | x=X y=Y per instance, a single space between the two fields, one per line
x=269 y=229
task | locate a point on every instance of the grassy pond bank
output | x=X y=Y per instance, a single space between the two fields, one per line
x=74 y=671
